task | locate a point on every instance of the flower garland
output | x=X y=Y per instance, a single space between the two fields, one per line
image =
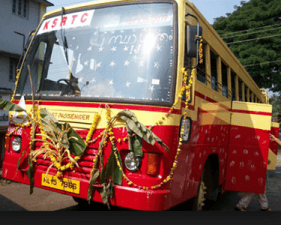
x=201 y=50
x=92 y=128
x=108 y=132
x=16 y=84
x=175 y=162
x=185 y=88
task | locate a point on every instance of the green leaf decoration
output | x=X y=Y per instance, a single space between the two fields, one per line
x=10 y=106
x=94 y=177
x=30 y=174
x=112 y=169
x=138 y=128
x=107 y=192
x=137 y=146
x=76 y=144
x=103 y=176
x=19 y=161
x=118 y=176
x=47 y=116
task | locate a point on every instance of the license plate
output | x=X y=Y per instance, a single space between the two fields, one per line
x=64 y=184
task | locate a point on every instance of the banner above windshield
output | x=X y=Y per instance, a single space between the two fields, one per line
x=70 y=20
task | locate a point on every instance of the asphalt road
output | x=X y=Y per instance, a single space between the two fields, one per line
x=16 y=197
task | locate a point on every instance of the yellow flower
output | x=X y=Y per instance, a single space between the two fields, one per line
x=63 y=168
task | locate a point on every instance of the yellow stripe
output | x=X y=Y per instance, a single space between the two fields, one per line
x=214 y=119
x=83 y=117
x=249 y=106
x=274 y=124
x=251 y=121
x=272 y=159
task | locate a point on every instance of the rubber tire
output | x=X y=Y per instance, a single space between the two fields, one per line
x=201 y=194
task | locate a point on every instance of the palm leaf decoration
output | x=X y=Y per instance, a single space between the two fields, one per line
x=10 y=106
x=133 y=125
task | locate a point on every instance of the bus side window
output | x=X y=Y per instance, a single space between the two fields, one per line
x=240 y=89
x=233 y=89
x=224 y=79
x=214 y=72
x=201 y=69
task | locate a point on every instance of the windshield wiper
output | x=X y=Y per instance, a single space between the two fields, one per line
x=64 y=42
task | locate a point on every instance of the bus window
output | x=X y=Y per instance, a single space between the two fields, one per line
x=224 y=79
x=250 y=95
x=201 y=69
x=214 y=73
x=240 y=89
x=233 y=89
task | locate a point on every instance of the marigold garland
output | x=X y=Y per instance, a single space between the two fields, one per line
x=108 y=132
x=175 y=162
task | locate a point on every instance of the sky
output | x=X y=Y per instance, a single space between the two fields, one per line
x=209 y=8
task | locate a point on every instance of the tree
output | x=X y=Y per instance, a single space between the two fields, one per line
x=253 y=33
x=275 y=101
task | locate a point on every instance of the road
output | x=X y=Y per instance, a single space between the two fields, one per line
x=16 y=197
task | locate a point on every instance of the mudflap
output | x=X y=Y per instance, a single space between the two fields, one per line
x=248 y=147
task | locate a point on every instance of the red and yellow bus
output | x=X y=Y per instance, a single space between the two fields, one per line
x=91 y=61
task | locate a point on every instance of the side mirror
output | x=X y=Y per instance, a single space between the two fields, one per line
x=192 y=40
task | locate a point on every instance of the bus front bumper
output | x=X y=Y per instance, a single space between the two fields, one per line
x=127 y=197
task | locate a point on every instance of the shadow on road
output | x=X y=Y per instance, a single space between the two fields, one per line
x=8 y=205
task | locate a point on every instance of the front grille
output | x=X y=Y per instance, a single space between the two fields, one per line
x=85 y=163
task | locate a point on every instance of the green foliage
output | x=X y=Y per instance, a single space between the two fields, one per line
x=10 y=106
x=275 y=101
x=252 y=20
x=133 y=125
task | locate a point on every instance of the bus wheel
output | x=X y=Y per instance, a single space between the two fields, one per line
x=198 y=201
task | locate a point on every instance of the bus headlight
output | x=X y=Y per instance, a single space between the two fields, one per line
x=185 y=129
x=16 y=144
x=132 y=162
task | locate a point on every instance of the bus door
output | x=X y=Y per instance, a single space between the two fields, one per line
x=250 y=127
x=273 y=147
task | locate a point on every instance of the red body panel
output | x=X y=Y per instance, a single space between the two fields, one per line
x=205 y=140
x=273 y=144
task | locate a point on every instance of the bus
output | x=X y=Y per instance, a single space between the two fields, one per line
x=119 y=109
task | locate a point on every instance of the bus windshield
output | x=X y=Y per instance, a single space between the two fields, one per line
x=120 y=52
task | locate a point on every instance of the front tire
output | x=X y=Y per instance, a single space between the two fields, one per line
x=198 y=201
